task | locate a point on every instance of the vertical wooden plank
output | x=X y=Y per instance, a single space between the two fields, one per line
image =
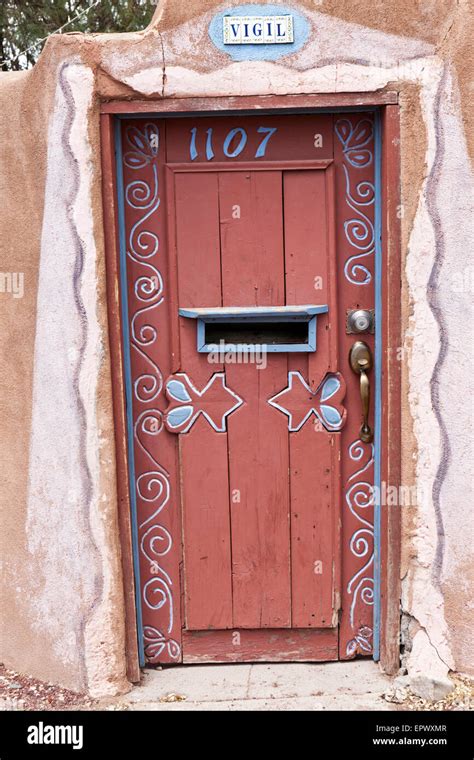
x=155 y=453
x=251 y=238
x=355 y=234
x=252 y=266
x=312 y=535
x=336 y=320
x=258 y=481
x=336 y=323
x=305 y=235
x=206 y=529
x=391 y=390
x=109 y=204
x=306 y=256
x=314 y=460
x=172 y=262
x=197 y=261
x=203 y=451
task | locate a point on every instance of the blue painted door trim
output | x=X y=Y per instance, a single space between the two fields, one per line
x=241 y=313
x=378 y=379
x=128 y=388
x=272 y=348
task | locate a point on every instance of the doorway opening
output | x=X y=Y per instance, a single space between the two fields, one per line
x=256 y=534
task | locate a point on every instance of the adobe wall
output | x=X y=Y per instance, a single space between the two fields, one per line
x=63 y=590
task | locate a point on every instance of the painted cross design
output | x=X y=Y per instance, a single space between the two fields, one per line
x=215 y=402
x=299 y=402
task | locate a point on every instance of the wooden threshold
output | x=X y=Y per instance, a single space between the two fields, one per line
x=262 y=645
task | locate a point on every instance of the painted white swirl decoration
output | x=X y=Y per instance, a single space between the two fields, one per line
x=152 y=486
x=147 y=386
x=357 y=451
x=139 y=194
x=359 y=229
x=359 y=498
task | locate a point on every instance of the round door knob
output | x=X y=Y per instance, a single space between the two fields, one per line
x=360 y=320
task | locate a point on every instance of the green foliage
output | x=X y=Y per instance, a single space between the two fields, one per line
x=24 y=24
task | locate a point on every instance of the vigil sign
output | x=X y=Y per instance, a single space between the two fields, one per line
x=258 y=30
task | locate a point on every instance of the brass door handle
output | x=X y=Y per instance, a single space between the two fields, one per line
x=361 y=361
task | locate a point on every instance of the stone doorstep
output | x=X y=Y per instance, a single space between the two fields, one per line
x=352 y=685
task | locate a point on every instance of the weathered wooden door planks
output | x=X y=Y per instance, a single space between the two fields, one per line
x=257 y=540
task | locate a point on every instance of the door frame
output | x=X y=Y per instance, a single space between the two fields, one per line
x=387 y=524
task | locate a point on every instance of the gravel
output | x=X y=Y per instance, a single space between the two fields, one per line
x=461 y=698
x=19 y=692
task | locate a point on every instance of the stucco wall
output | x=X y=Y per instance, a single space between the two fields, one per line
x=63 y=587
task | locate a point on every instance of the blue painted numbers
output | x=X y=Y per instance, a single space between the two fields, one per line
x=233 y=144
x=239 y=147
x=268 y=132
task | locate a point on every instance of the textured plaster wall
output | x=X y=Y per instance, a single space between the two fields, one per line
x=62 y=588
x=62 y=598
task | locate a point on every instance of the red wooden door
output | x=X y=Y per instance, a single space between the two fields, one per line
x=238 y=454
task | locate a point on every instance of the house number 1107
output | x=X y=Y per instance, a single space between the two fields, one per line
x=234 y=142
